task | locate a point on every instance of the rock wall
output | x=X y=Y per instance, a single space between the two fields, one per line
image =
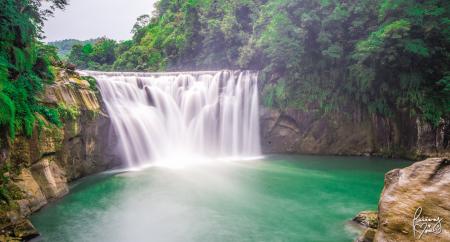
x=294 y=131
x=39 y=168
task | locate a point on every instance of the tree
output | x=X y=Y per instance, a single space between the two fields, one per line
x=372 y=56
x=100 y=55
x=24 y=63
x=103 y=51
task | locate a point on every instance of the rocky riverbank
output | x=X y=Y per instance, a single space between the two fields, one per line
x=295 y=131
x=414 y=205
x=37 y=169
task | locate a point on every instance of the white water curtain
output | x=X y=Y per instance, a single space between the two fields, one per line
x=161 y=117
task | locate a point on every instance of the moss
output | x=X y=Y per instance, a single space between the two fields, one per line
x=7 y=113
x=401 y=152
x=367 y=219
x=51 y=114
x=25 y=230
x=4 y=195
x=15 y=192
x=4 y=208
x=92 y=82
x=93 y=114
x=68 y=112
x=41 y=125
x=54 y=135
x=9 y=192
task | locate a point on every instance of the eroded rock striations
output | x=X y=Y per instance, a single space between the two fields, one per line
x=414 y=205
x=410 y=195
x=40 y=167
x=345 y=133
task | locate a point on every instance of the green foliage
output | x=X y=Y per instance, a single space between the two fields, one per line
x=382 y=55
x=99 y=55
x=92 y=82
x=4 y=181
x=51 y=114
x=65 y=46
x=7 y=113
x=87 y=49
x=24 y=63
x=275 y=95
x=68 y=112
x=409 y=53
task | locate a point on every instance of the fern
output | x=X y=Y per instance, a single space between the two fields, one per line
x=7 y=113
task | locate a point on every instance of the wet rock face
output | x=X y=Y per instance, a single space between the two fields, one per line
x=51 y=178
x=295 y=131
x=21 y=230
x=33 y=197
x=25 y=230
x=415 y=199
x=281 y=133
x=45 y=163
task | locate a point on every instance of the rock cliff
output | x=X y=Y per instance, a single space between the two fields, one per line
x=37 y=169
x=294 y=131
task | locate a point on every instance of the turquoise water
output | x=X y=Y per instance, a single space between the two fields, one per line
x=279 y=198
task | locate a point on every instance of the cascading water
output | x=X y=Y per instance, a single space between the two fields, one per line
x=182 y=117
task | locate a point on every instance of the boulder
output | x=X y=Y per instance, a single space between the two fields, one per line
x=368 y=219
x=415 y=203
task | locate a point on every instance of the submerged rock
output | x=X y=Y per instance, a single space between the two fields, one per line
x=367 y=219
x=367 y=236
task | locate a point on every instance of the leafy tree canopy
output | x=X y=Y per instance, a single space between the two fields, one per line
x=382 y=56
x=25 y=63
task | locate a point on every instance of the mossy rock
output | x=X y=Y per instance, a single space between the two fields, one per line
x=50 y=139
x=7 y=238
x=21 y=152
x=25 y=230
x=367 y=219
x=4 y=208
x=14 y=191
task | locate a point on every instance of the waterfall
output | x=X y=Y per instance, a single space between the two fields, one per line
x=182 y=116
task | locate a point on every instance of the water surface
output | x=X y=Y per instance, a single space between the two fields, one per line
x=279 y=198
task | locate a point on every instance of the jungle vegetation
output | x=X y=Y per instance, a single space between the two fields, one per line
x=382 y=56
x=65 y=46
x=26 y=64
